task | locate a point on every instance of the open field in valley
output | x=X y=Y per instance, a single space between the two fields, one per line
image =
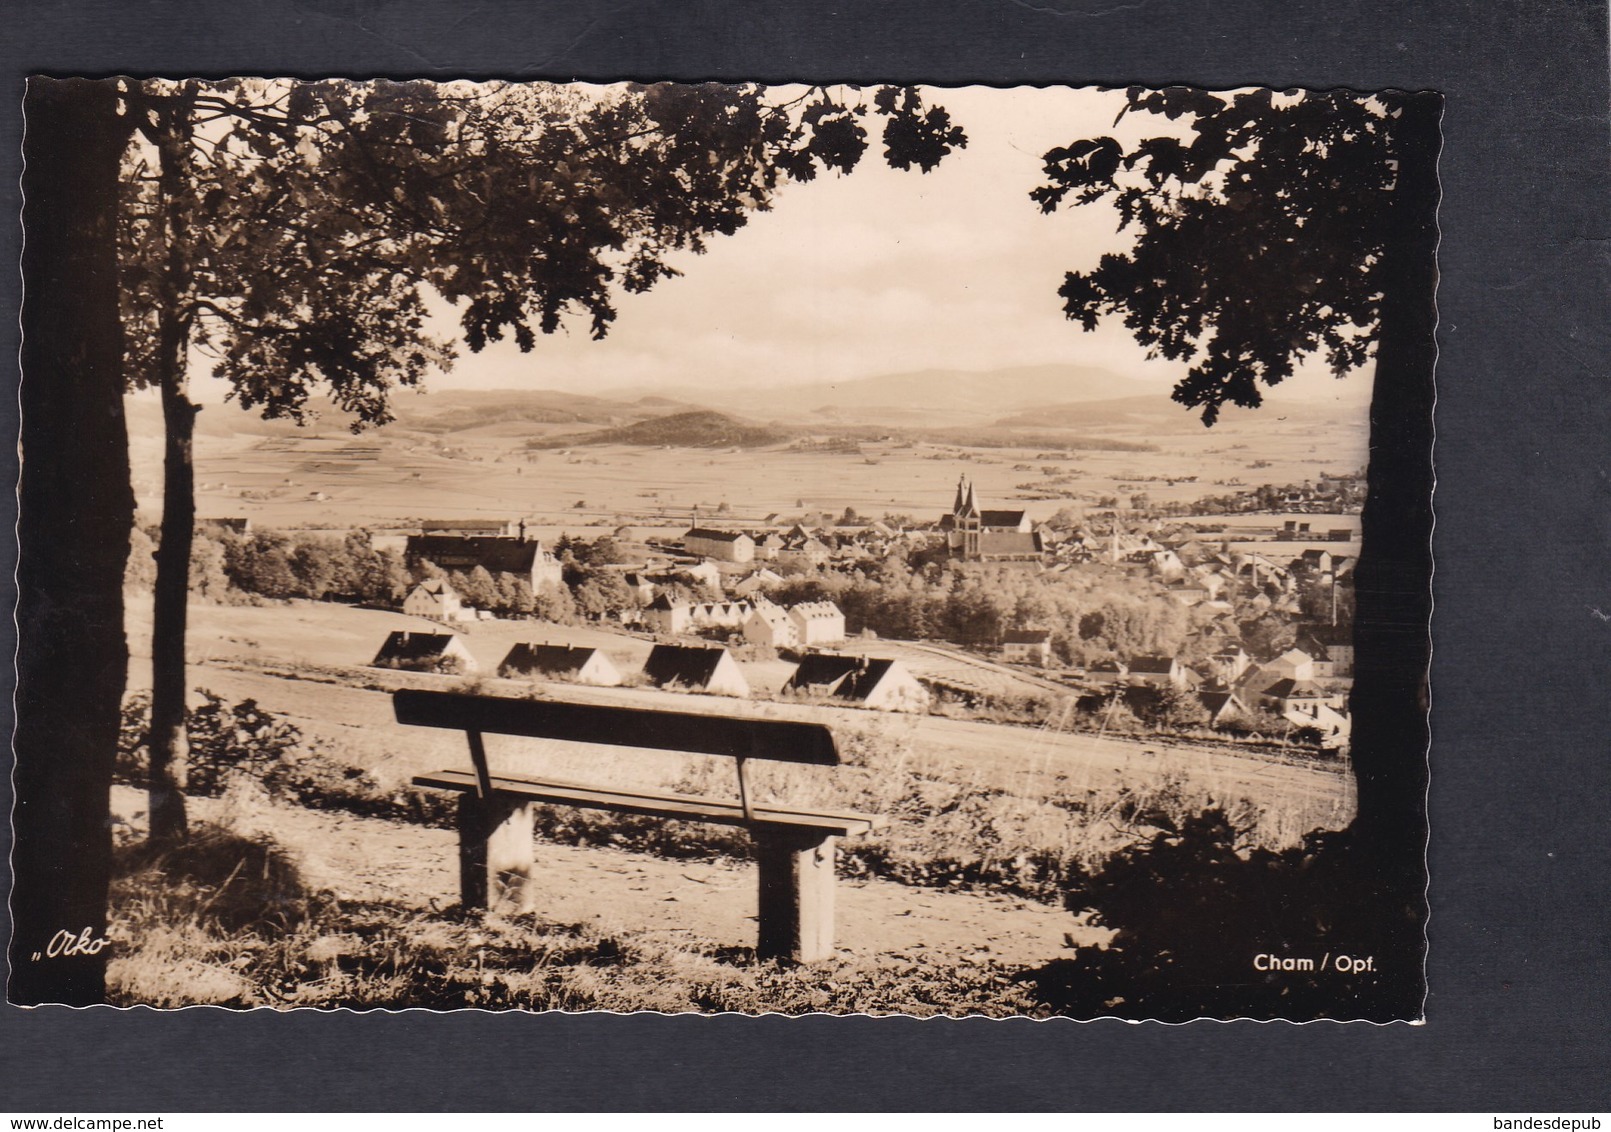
x=326 y=477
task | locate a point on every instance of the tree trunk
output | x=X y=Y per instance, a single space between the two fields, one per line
x=75 y=512
x=1393 y=579
x=169 y=745
x=1393 y=585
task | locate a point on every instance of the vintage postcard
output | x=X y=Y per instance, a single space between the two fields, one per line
x=725 y=548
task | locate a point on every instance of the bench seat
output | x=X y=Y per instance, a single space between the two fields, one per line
x=654 y=803
x=794 y=849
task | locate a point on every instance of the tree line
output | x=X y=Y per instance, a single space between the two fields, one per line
x=226 y=566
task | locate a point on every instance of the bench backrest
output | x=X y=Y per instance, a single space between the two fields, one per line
x=688 y=732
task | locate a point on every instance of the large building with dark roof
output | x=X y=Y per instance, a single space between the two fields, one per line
x=724 y=546
x=522 y=557
x=479 y=527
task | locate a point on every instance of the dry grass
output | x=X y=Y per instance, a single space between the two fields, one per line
x=1026 y=833
x=227 y=921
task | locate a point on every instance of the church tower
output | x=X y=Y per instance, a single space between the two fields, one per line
x=966 y=521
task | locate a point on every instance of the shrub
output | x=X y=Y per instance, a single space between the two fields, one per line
x=445 y=665
x=243 y=739
x=1194 y=904
x=224 y=739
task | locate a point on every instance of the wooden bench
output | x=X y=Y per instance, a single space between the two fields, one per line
x=794 y=848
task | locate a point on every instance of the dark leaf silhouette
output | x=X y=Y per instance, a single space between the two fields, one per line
x=1263 y=237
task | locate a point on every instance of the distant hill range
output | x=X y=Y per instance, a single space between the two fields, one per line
x=700 y=428
x=458 y=410
x=943 y=405
x=1161 y=413
x=943 y=396
x=1117 y=413
x=439 y=413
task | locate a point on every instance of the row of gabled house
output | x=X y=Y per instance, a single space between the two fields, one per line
x=526 y=558
x=1232 y=682
x=648 y=582
x=1183 y=555
x=674 y=618
x=879 y=683
x=803 y=625
x=796 y=546
x=1234 y=668
x=437 y=600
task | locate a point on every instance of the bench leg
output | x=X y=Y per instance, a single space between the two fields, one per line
x=496 y=857
x=796 y=909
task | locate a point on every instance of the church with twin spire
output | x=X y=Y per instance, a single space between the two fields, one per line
x=973 y=534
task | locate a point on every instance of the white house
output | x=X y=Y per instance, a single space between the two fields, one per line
x=1222 y=706
x=881 y=684
x=768 y=545
x=640 y=586
x=750 y=585
x=702 y=572
x=662 y=615
x=1332 y=648
x=1160 y=671
x=1335 y=727
x=770 y=624
x=424 y=652
x=575 y=663
x=818 y=623
x=435 y=599
x=1227 y=667
x=1294 y=664
x=1167 y=565
x=1027 y=646
x=696 y=668
x=805 y=552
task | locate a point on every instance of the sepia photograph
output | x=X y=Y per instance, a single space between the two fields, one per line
x=696 y=548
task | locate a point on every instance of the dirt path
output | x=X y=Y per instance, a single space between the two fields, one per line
x=632 y=893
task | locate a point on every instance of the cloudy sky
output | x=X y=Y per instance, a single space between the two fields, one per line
x=879 y=272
